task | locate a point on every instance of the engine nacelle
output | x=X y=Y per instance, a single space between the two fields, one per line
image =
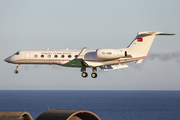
x=110 y=53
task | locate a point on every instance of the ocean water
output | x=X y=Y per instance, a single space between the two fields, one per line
x=108 y=105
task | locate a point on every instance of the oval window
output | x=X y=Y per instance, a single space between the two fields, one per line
x=42 y=56
x=69 y=56
x=35 y=56
x=49 y=56
x=62 y=56
x=55 y=56
x=76 y=56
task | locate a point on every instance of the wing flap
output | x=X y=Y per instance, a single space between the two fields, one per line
x=113 y=67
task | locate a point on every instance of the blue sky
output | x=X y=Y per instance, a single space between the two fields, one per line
x=74 y=24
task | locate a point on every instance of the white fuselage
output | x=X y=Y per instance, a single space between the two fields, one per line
x=62 y=57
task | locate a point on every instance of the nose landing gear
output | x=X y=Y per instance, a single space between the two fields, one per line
x=16 y=71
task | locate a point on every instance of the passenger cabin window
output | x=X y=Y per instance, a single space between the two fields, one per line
x=42 y=56
x=49 y=56
x=17 y=53
x=35 y=56
x=76 y=56
x=55 y=56
x=69 y=56
x=62 y=56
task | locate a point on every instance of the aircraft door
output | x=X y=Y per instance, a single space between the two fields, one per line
x=27 y=56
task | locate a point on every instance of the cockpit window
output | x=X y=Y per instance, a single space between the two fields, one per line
x=16 y=53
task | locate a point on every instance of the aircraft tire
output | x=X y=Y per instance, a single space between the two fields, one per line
x=84 y=74
x=16 y=71
x=94 y=75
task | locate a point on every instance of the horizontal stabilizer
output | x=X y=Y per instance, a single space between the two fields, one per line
x=147 y=33
x=165 y=34
x=113 y=67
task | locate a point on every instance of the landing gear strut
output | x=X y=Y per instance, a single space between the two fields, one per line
x=16 y=71
x=94 y=74
x=84 y=73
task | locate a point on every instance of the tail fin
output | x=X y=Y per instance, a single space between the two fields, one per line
x=141 y=44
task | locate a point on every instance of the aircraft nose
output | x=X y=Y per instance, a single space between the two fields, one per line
x=7 y=59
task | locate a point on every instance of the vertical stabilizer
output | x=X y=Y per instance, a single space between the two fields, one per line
x=141 y=44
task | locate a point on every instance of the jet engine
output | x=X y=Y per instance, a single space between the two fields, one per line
x=110 y=53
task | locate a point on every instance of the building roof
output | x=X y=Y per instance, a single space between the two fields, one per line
x=15 y=116
x=67 y=115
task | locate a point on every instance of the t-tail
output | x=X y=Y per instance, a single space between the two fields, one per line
x=141 y=44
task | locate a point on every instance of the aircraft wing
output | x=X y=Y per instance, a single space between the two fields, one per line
x=113 y=67
x=79 y=60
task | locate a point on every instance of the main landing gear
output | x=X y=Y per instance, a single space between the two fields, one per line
x=16 y=71
x=85 y=74
x=94 y=75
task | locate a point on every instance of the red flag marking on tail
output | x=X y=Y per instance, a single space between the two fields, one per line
x=140 y=40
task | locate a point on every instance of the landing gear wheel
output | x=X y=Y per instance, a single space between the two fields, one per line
x=16 y=71
x=84 y=74
x=94 y=75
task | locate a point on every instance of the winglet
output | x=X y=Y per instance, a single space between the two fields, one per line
x=139 y=61
x=81 y=54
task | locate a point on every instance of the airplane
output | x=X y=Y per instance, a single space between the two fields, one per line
x=106 y=59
